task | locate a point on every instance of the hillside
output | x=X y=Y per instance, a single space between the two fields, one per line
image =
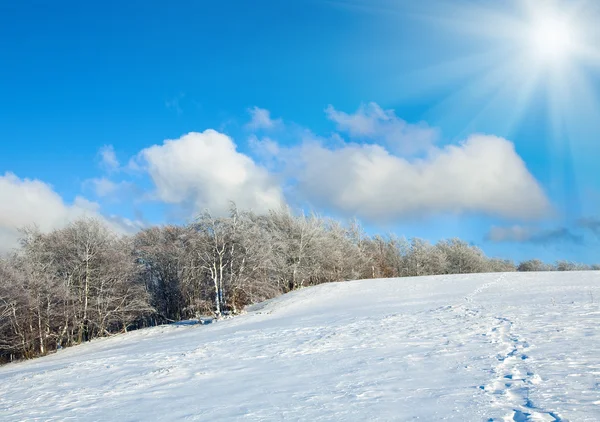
x=518 y=346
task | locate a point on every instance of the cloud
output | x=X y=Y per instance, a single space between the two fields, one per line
x=482 y=175
x=263 y=147
x=371 y=122
x=25 y=202
x=204 y=170
x=103 y=186
x=527 y=234
x=514 y=233
x=108 y=158
x=261 y=119
x=559 y=235
x=521 y=234
x=590 y=223
x=125 y=224
x=106 y=188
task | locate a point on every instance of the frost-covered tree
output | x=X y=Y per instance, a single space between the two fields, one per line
x=501 y=266
x=462 y=258
x=387 y=256
x=533 y=265
x=251 y=272
x=298 y=245
x=67 y=286
x=160 y=254
x=83 y=281
x=98 y=270
x=423 y=258
x=570 y=266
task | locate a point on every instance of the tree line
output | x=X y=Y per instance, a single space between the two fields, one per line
x=83 y=281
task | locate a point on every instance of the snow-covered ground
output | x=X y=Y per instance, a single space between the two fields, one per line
x=486 y=347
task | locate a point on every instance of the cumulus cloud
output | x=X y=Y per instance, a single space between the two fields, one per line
x=264 y=147
x=261 y=119
x=371 y=180
x=482 y=175
x=25 y=202
x=523 y=234
x=204 y=170
x=108 y=158
x=371 y=122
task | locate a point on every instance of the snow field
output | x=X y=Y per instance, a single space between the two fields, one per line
x=485 y=347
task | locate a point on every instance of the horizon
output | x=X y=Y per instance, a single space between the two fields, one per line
x=473 y=120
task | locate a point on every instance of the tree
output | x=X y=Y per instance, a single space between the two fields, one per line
x=570 y=266
x=297 y=243
x=92 y=275
x=161 y=256
x=84 y=281
x=501 y=266
x=461 y=258
x=213 y=247
x=424 y=259
x=533 y=265
x=252 y=270
x=13 y=302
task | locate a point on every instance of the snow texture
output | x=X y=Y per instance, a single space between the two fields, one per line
x=490 y=347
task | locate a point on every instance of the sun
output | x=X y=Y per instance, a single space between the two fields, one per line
x=508 y=64
x=552 y=39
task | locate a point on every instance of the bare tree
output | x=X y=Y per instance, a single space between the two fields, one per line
x=297 y=243
x=161 y=255
x=570 y=266
x=76 y=283
x=533 y=265
x=462 y=258
x=424 y=259
x=501 y=266
x=83 y=281
x=212 y=247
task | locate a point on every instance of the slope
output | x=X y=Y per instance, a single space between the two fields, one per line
x=486 y=347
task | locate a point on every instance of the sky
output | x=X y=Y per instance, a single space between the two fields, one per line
x=436 y=119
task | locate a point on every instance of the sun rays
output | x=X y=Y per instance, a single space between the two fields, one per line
x=510 y=58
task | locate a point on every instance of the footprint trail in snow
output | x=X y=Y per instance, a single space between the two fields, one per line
x=482 y=347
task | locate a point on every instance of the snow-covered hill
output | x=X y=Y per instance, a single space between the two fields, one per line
x=462 y=348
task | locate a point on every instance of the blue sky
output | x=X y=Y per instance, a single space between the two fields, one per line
x=439 y=119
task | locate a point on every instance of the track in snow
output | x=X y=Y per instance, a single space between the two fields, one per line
x=514 y=347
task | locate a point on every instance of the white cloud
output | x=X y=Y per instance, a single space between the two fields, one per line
x=371 y=122
x=103 y=186
x=25 y=202
x=265 y=149
x=108 y=158
x=261 y=119
x=125 y=224
x=204 y=170
x=482 y=175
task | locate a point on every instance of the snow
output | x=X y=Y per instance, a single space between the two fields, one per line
x=490 y=347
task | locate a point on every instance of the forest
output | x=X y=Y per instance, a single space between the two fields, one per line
x=83 y=281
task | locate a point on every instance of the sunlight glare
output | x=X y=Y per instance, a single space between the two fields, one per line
x=534 y=55
x=552 y=40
